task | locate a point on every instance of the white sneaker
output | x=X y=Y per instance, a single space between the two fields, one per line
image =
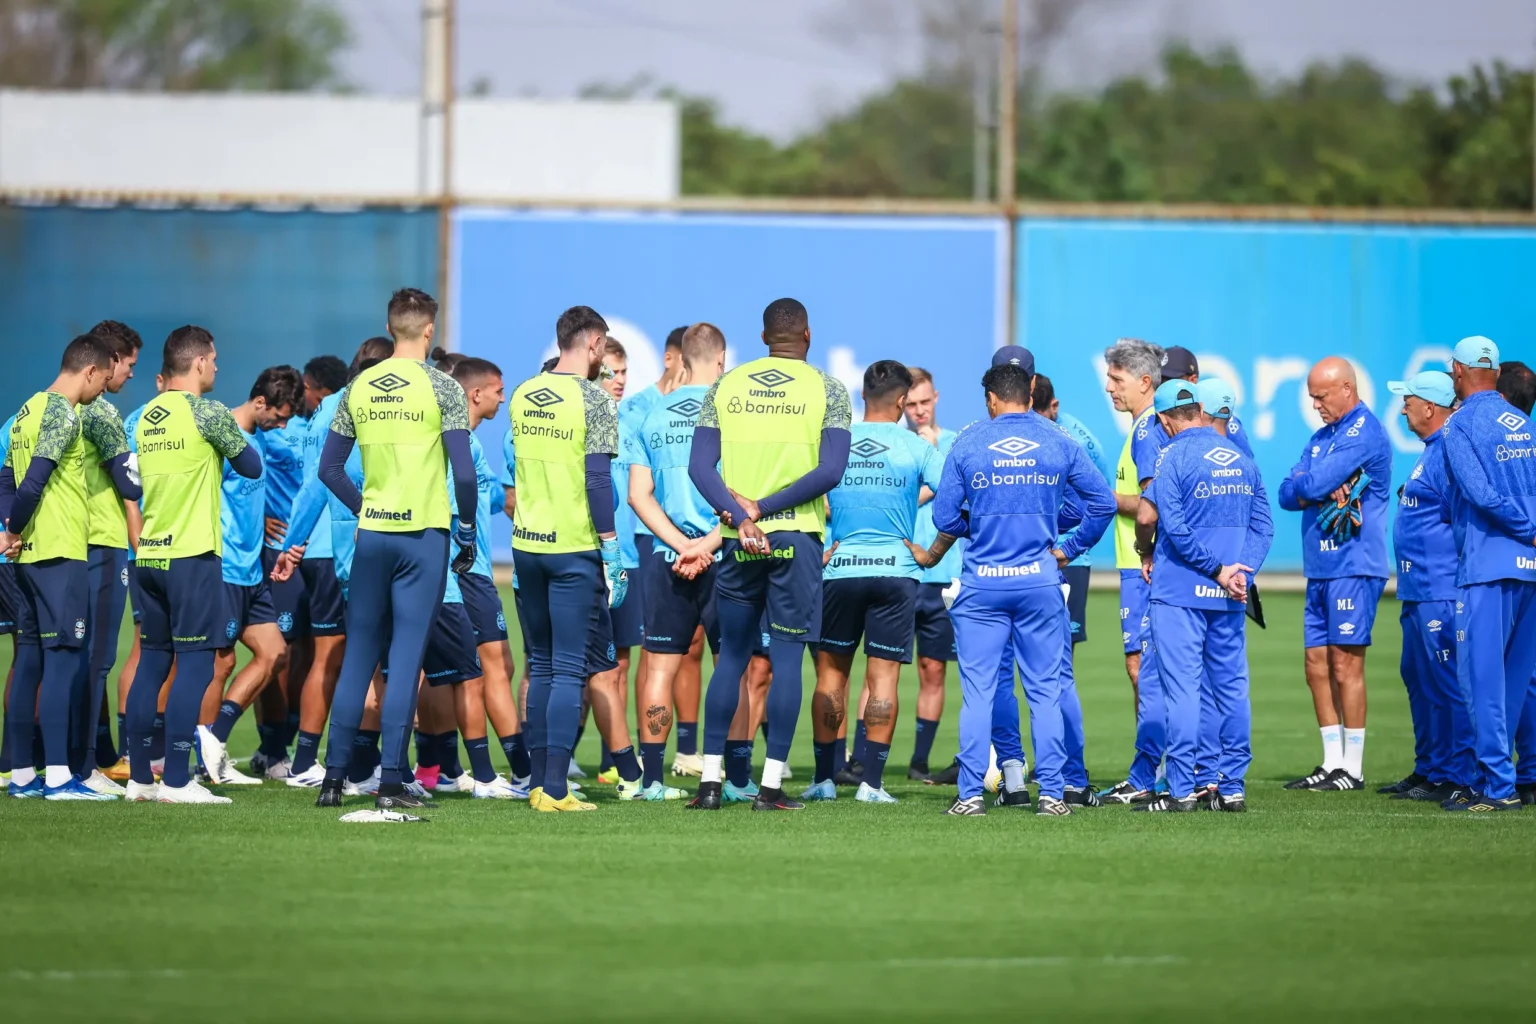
x=138 y=794
x=279 y=769
x=867 y=794
x=99 y=783
x=225 y=773
x=520 y=786
x=310 y=778
x=416 y=790
x=688 y=765
x=214 y=754
x=575 y=772
x=462 y=783
x=191 y=793
x=787 y=774
x=497 y=789
x=368 y=787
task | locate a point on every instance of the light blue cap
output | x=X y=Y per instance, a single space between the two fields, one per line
x=1431 y=385
x=1171 y=394
x=1216 y=398
x=1477 y=351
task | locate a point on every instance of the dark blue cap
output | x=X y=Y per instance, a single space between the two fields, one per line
x=1016 y=355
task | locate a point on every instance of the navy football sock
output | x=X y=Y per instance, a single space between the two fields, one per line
x=557 y=762
x=652 y=756
x=517 y=755
x=825 y=760
x=687 y=737
x=305 y=750
x=157 y=735
x=738 y=763
x=874 y=768
x=426 y=749
x=290 y=729
x=839 y=756
x=229 y=714
x=922 y=746
x=479 y=752
x=626 y=762
x=448 y=754
x=606 y=761
x=272 y=746
x=860 y=737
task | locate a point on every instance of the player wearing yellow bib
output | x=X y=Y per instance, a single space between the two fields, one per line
x=565 y=433
x=411 y=424
x=772 y=439
x=182 y=440
x=46 y=529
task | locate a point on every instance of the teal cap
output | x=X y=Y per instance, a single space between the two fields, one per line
x=1477 y=351
x=1173 y=393
x=1431 y=385
x=1216 y=398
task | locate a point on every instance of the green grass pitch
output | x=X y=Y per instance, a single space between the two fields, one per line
x=1347 y=906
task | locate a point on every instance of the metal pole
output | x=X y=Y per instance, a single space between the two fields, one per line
x=1007 y=143
x=437 y=36
x=981 y=113
x=445 y=203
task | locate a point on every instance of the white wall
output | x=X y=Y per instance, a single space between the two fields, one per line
x=334 y=146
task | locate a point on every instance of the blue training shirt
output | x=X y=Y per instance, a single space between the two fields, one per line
x=1211 y=511
x=1013 y=473
x=1238 y=436
x=1356 y=441
x=1073 y=428
x=283 y=449
x=1491 y=464
x=663 y=443
x=5 y=449
x=489 y=488
x=1424 y=542
x=319 y=543
x=242 y=521
x=874 y=506
x=633 y=412
x=925 y=532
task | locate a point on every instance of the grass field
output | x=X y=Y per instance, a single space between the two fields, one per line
x=1341 y=905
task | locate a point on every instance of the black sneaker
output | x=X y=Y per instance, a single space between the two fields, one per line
x=1207 y=797
x=917 y=771
x=973 y=807
x=1458 y=798
x=1234 y=804
x=946 y=776
x=1308 y=781
x=1338 y=781
x=706 y=799
x=330 y=794
x=1404 y=784
x=1008 y=798
x=1166 y=804
x=1526 y=791
x=1482 y=804
x=1425 y=790
x=397 y=802
x=1050 y=807
x=1084 y=797
x=1126 y=793
x=775 y=800
x=851 y=775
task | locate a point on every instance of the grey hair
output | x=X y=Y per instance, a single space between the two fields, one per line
x=1138 y=358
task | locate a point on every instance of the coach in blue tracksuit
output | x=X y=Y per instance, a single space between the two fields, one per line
x=1349 y=458
x=1425 y=550
x=1011 y=475
x=1210 y=514
x=1491 y=467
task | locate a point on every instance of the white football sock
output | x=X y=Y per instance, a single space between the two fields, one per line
x=991 y=760
x=1333 y=747
x=23 y=776
x=1354 y=752
x=773 y=774
x=712 y=767
x=57 y=775
x=1013 y=775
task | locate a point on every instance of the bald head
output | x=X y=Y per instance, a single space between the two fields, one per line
x=1333 y=388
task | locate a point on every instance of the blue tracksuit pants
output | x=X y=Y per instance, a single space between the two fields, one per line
x=994 y=627
x=1442 y=727
x=1495 y=655
x=1007 y=739
x=1199 y=648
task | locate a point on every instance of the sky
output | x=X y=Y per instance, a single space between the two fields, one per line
x=780 y=66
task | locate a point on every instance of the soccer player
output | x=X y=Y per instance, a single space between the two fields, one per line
x=1426 y=585
x=871 y=579
x=564 y=545
x=1002 y=486
x=1210 y=516
x=411 y=422
x=1348 y=460
x=44 y=503
x=935 y=633
x=1491 y=468
x=183 y=439
x=1134 y=371
x=771 y=441
x=247 y=595
x=681 y=565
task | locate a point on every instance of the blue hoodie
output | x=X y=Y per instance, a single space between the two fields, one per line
x=1356 y=441
x=1491 y=463
x=1422 y=536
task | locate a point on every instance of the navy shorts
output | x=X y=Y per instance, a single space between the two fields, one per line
x=327 y=606
x=451 y=655
x=183 y=603
x=55 y=600
x=785 y=583
x=482 y=602
x=629 y=617
x=1341 y=611
x=677 y=607
x=881 y=610
x=935 y=633
x=1134 y=625
x=287 y=599
x=247 y=605
x=135 y=595
x=10 y=597
x=1077 y=600
x=602 y=653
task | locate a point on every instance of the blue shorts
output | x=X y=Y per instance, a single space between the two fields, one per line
x=247 y=605
x=1341 y=611
x=326 y=605
x=135 y=595
x=183 y=603
x=1077 y=600
x=1134 y=625
x=935 y=632
x=55 y=601
x=881 y=610
x=451 y=655
x=677 y=607
x=602 y=653
x=482 y=602
x=785 y=583
x=629 y=617
x=287 y=599
x=10 y=597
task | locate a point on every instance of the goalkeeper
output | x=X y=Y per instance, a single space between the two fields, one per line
x=1340 y=489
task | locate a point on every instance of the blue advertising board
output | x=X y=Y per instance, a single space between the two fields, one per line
x=926 y=291
x=1259 y=304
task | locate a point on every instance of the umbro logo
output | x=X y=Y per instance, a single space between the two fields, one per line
x=1434 y=625
x=390 y=382
x=867 y=448
x=1509 y=421
x=1223 y=457
x=771 y=378
x=688 y=407
x=23 y=414
x=543 y=397
x=154 y=416
x=1013 y=447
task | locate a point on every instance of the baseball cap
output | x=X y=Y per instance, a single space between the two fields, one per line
x=1431 y=385
x=1477 y=351
x=1215 y=396
x=1017 y=355
x=1171 y=394
x=1179 y=361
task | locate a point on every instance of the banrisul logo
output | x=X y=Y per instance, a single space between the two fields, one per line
x=688 y=408
x=768 y=382
x=542 y=399
x=1224 y=457
x=387 y=385
x=1013 y=450
x=157 y=415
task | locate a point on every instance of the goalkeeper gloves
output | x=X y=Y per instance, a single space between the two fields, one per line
x=464 y=537
x=614 y=573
